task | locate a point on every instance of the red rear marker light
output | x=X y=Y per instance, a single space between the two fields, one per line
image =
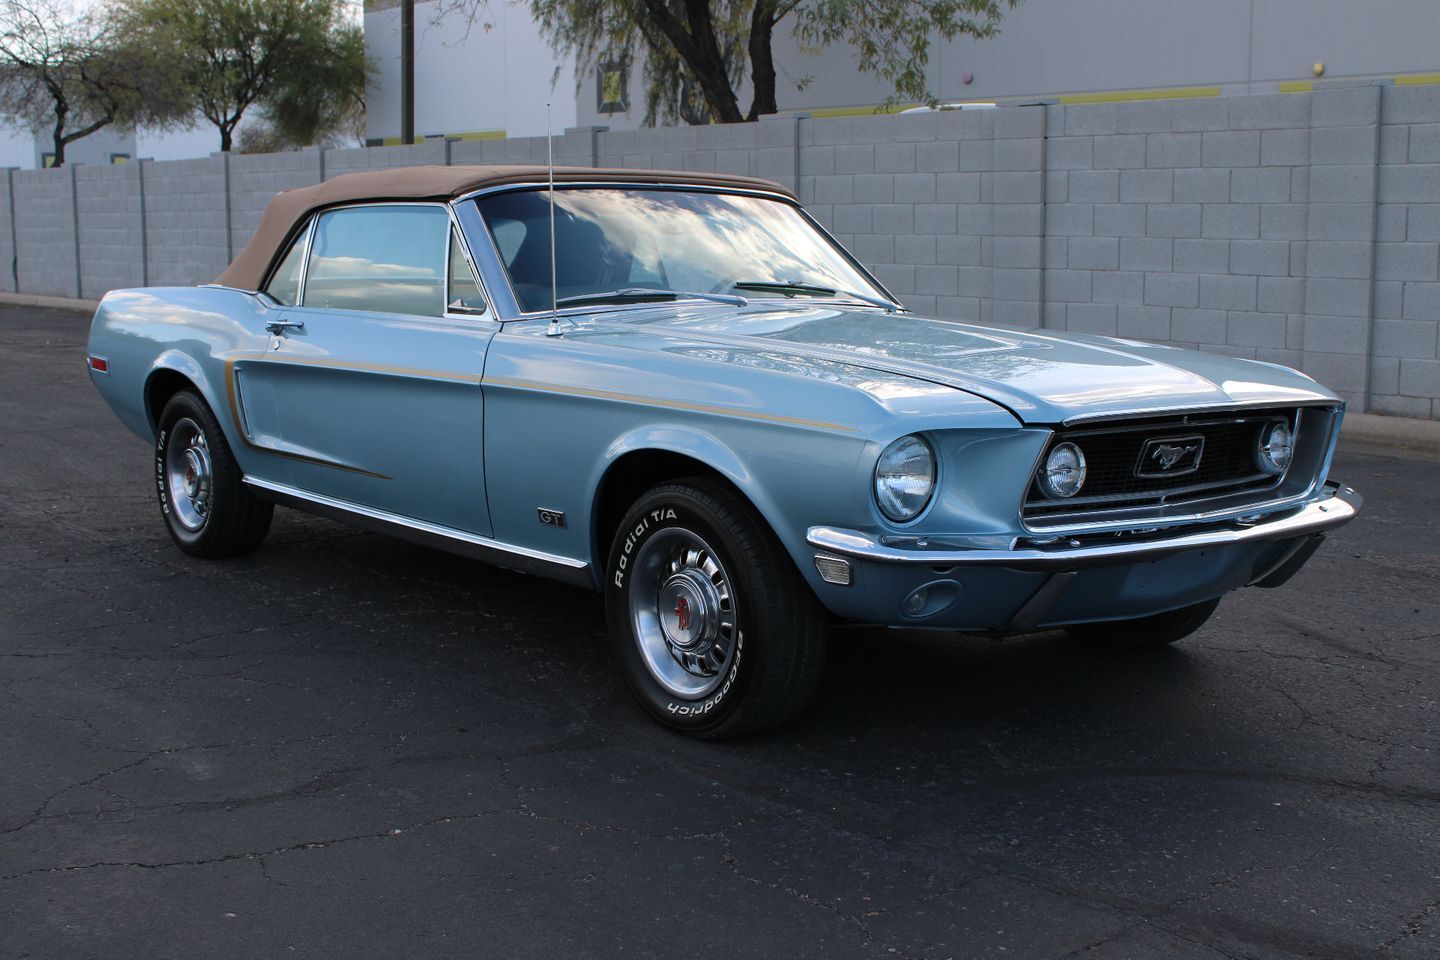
x=99 y=364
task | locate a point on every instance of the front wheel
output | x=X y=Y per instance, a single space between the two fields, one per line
x=206 y=507
x=715 y=630
x=1146 y=632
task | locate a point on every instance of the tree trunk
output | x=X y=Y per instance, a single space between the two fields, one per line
x=694 y=42
x=225 y=142
x=762 y=60
x=708 y=65
x=58 y=140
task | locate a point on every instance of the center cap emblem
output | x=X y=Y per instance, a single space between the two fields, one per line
x=682 y=613
x=1170 y=456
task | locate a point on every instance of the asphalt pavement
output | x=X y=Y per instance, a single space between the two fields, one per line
x=345 y=746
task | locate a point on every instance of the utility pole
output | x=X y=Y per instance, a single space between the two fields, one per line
x=407 y=71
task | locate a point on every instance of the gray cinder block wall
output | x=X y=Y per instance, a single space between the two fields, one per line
x=1301 y=229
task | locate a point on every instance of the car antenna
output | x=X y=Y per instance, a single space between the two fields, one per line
x=554 y=329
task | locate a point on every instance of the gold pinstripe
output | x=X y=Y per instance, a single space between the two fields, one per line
x=657 y=402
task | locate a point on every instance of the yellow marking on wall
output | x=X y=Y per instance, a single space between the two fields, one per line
x=874 y=109
x=657 y=402
x=1417 y=78
x=1117 y=96
x=1297 y=86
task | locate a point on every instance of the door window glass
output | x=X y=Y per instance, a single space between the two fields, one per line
x=284 y=285
x=464 y=292
x=389 y=259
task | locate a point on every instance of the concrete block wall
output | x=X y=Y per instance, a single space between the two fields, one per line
x=7 y=225
x=187 y=230
x=1182 y=222
x=1301 y=229
x=45 y=224
x=1404 y=364
x=255 y=179
x=111 y=242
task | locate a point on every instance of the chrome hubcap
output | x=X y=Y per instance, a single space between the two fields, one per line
x=683 y=613
x=188 y=474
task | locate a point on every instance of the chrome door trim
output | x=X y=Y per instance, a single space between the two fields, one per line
x=501 y=554
x=304 y=261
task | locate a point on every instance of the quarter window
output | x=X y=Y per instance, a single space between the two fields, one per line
x=284 y=285
x=389 y=259
x=464 y=291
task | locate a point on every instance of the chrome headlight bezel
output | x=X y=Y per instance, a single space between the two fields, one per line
x=1273 y=458
x=898 y=464
x=1064 y=463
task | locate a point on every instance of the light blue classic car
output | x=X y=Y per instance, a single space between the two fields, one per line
x=678 y=389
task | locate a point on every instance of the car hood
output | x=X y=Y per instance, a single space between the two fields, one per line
x=1040 y=377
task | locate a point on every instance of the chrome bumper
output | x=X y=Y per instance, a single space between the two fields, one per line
x=1338 y=506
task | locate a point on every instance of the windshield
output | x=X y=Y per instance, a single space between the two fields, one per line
x=618 y=239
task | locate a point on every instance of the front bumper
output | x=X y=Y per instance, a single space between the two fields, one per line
x=1030 y=585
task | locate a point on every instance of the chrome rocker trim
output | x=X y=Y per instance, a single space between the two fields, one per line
x=499 y=553
x=1339 y=506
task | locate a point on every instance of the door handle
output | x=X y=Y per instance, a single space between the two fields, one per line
x=280 y=326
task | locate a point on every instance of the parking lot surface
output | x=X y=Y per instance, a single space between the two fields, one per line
x=347 y=746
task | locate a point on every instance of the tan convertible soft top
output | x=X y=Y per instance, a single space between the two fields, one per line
x=289 y=209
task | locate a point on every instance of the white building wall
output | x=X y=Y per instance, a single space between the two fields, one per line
x=1049 y=48
x=468 y=79
x=17 y=148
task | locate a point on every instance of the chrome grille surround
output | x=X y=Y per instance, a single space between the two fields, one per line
x=1226 y=482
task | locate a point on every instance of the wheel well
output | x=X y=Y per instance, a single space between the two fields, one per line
x=162 y=385
x=633 y=474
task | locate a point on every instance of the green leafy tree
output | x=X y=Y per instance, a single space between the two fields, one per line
x=71 y=75
x=702 y=47
x=300 y=63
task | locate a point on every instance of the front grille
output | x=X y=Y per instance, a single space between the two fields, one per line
x=1113 y=457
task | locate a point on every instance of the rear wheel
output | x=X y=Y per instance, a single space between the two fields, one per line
x=206 y=507
x=1146 y=632
x=715 y=630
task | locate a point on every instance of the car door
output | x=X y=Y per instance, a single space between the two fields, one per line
x=374 y=375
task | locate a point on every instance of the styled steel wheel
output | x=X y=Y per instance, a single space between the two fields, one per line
x=189 y=474
x=206 y=507
x=715 y=629
x=682 y=609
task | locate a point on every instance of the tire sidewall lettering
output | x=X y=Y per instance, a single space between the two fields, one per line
x=681 y=708
x=161 y=488
x=652 y=520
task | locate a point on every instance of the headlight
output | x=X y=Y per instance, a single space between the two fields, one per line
x=1064 y=472
x=904 y=478
x=1277 y=444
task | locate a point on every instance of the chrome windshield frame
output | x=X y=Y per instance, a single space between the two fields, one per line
x=497 y=278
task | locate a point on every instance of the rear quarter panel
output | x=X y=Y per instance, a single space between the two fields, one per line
x=188 y=330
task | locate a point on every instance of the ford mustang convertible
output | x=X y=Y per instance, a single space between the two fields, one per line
x=678 y=389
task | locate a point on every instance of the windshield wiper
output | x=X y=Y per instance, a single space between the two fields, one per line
x=798 y=287
x=648 y=293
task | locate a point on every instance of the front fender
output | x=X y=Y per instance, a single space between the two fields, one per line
x=781 y=512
